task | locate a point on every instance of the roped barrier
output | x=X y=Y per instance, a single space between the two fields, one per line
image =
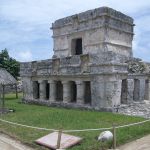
x=68 y=131
x=32 y=127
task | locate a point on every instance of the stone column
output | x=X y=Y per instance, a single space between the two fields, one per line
x=52 y=92
x=130 y=88
x=66 y=91
x=142 y=90
x=35 y=90
x=80 y=92
x=112 y=93
x=42 y=90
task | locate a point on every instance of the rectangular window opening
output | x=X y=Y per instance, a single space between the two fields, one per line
x=76 y=46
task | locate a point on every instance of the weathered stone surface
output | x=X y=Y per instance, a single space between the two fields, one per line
x=102 y=30
x=141 y=109
x=92 y=66
x=92 y=14
x=137 y=66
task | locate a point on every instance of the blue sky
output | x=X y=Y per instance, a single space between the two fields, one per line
x=25 y=24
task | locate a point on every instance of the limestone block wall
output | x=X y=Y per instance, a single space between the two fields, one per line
x=91 y=42
x=108 y=85
x=102 y=74
x=27 y=88
x=101 y=30
x=84 y=81
x=106 y=91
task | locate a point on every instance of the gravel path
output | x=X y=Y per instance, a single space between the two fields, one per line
x=140 y=144
x=7 y=143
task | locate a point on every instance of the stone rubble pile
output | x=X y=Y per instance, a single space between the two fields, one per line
x=141 y=109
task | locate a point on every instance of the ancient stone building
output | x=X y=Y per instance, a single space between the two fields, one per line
x=92 y=66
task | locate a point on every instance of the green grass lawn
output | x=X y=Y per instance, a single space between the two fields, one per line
x=57 y=118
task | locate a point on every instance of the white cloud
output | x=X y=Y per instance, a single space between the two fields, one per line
x=24 y=56
x=142 y=36
x=128 y=6
x=46 y=11
x=24 y=23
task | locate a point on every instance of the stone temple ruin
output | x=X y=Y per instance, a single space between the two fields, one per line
x=92 y=67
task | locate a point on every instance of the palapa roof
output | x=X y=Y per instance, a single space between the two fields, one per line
x=6 y=78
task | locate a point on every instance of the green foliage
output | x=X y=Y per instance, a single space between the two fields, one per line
x=10 y=64
x=67 y=119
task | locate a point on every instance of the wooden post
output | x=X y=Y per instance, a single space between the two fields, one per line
x=16 y=91
x=114 y=136
x=59 y=139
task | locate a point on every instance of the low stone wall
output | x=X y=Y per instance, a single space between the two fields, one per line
x=64 y=105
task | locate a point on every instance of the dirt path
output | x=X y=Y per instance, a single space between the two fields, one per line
x=7 y=143
x=140 y=144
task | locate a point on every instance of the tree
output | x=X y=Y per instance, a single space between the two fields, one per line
x=9 y=63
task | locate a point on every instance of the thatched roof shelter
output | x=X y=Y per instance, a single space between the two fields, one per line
x=6 y=78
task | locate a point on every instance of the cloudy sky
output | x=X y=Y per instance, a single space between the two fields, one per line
x=25 y=24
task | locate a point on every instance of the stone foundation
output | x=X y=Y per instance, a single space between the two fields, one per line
x=64 y=105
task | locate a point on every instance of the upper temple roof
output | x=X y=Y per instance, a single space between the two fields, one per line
x=91 y=14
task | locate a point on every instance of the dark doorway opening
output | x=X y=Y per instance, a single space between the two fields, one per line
x=47 y=90
x=59 y=91
x=147 y=88
x=73 y=91
x=77 y=46
x=87 y=95
x=136 y=92
x=124 y=92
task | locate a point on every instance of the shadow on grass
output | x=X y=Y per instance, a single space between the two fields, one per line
x=12 y=96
